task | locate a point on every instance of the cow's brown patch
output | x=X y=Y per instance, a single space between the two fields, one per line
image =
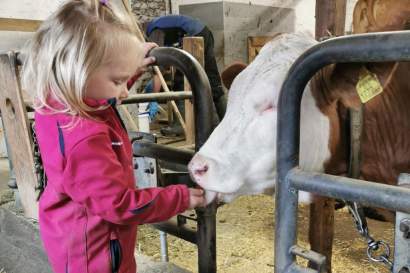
x=386 y=126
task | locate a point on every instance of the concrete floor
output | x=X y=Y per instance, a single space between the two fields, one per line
x=4 y=173
x=6 y=194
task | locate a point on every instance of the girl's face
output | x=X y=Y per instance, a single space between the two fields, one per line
x=110 y=79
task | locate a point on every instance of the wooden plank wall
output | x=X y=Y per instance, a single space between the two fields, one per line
x=15 y=121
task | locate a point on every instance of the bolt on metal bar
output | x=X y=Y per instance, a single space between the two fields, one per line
x=203 y=106
x=402 y=234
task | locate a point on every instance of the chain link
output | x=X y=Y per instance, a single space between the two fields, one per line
x=356 y=128
x=382 y=258
x=372 y=245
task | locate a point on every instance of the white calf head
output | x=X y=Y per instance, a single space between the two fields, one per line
x=240 y=155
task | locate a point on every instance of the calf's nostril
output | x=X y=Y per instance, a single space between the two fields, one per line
x=201 y=171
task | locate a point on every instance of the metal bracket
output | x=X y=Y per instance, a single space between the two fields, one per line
x=318 y=259
x=402 y=234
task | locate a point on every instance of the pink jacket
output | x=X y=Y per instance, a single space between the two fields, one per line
x=90 y=209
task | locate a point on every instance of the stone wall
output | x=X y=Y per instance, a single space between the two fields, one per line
x=145 y=10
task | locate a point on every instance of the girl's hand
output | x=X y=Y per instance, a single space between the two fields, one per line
x=148 y=60
x=196 y=198
x=145 y=62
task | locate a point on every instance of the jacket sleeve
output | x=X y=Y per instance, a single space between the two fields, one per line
x=94 y=177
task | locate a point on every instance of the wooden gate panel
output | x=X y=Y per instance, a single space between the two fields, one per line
x=16 y=127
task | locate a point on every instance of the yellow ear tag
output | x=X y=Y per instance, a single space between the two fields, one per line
x=368 y=86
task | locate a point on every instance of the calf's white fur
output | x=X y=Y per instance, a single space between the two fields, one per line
x=240 y=156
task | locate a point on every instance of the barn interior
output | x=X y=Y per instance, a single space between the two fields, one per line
x=168 y=127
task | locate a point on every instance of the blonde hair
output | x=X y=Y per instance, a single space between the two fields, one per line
x=68 y=47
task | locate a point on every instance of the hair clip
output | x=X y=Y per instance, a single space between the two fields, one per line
x=104 y=2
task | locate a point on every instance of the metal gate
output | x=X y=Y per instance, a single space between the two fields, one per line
x=205 y=235
x=375 y=47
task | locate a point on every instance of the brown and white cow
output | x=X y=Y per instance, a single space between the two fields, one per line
x=240 y=156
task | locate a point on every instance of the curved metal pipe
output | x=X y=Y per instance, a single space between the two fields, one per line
x=203 y=112
x=159 y=97
x=158 y=151
x=201 y=89
x=179 y=231
x=374 y=47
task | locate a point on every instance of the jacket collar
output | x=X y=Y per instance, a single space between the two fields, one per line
x=102 y=102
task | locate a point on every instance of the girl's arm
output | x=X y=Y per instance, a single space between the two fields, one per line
x=95 y=178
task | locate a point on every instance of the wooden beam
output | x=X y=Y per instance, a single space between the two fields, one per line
x=16 y=127
x=24 y=25
x=330 y=21
x=194 y=46
x=330 y=18
x=321 y=229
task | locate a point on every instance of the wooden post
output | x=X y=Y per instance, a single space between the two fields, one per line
x=16 y=127
x=173 y=104
x=194 y=46
x=330 y=20
x=321 y=229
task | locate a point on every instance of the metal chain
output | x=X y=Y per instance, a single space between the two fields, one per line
x=356 y=126
x=38 y=164
x=372 y=245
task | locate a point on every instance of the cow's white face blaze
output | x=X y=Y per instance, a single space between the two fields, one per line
x=240 y=155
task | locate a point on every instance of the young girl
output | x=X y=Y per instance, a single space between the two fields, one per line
x=77 y=66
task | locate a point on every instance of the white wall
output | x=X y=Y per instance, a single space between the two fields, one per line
x=349 y=14
x=275 y=3
x=23 y=9
x=28 y=9
x=304 y=9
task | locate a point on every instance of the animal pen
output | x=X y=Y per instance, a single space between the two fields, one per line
x=363 y=48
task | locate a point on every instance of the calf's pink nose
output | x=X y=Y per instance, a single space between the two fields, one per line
x=198 y=167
